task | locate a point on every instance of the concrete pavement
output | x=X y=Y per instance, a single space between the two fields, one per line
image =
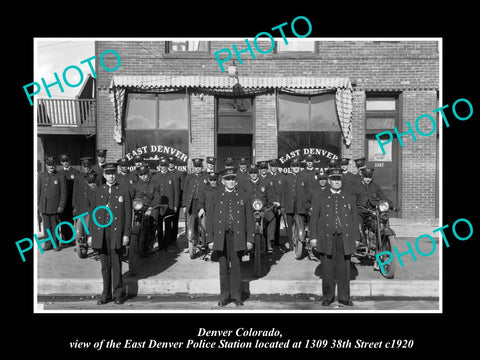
x=174 y=272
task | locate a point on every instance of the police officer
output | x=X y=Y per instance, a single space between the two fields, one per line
x=70 y=174
x=125 y=177
x=230 y=226
x=109 y=240
x=100 y=164
x=180 y=178
x=205 y=197
x=138 y=160
x=264 y=190
x=293 y=199
x=149 y=192
x=210 y=164
x=309 y=172
x=333 y=227
x=242 y=172
x=83 y=205
x=228 y=163
x=367 y=194
x=168 y=186
x=51 y=200
x=80 y=186
x=348 y=179
x=193 y=184
x=277 y=179
x=360 y=164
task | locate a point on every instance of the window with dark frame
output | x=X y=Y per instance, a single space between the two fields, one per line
x=182 y=46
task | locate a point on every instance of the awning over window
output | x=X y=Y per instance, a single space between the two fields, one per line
x=224 y=85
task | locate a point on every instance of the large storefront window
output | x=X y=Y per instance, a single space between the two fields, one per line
x=308 y=125
x=156 y=125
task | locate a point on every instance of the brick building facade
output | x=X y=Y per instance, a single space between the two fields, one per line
x=390 y=82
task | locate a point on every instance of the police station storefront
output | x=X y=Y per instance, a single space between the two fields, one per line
x=255 y=117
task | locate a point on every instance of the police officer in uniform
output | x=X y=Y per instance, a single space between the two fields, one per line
x=242 y=172
x=309 y=172
x=125 y=177
x=367 y=194
x=293 y=199
x=84 y=203
x=230 y=226
x=147 y=190
x=348 y=179
x=264 y=190
x=193 y=184
x=109 y=240
x=138 y=160
x=51 y=200
x=210 y=164
x=70 y=174
x=360 y=164
x=169 y=195
x=100 y=164
x=180 y=179
x=228 y=163
x=333 y=227
x=80 y=186
x=277 y=178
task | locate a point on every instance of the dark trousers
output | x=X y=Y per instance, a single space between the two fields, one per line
x=50 y=221
x=230 y=271
x=111 y=262
x=67 y=232
x=270 y=222
x=336 y=271
x=276 y=237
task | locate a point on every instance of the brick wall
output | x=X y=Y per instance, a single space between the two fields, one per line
x=409 y=67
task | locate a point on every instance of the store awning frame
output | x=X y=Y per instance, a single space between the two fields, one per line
x=225 y=86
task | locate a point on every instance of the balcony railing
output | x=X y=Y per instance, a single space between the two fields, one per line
x=66 y=112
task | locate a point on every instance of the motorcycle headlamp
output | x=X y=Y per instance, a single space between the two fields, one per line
x=383 y=206
x=137 y=204
x=257 y=204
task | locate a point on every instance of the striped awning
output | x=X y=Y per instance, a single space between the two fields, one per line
x=153 y=82
x=225 y=85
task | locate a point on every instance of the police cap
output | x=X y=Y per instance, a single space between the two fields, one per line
x=229 y=174
x=110 y=168
x=197 y=162
x=101 y=152
x=210 y=160
x=360 y=163
x=334 y=173
x=50 y=160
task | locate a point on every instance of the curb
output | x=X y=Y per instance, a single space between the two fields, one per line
x=386 y=288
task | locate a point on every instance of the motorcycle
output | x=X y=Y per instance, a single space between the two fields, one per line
x=135 y=250
x=379 y=237
x=196 y=236
x=301 y=240
x=259 y=244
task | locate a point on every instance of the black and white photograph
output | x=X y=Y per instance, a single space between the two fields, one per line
x=299 y=182
x=284 y=123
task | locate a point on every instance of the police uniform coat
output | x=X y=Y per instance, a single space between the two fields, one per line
x=192 y=186
x=126 y=179
x=349 y=181
x=294 y=195
x=120 y=206
x=51 y=191
x=80 y=191
x=225 y=206
x=70 y=175
x=205 y=196
x=366 y=193
x=169 y=188
x=148 y=191
x=323 y=219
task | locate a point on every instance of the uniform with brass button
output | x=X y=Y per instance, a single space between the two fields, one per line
x=333 y=231
x=51 y=199
x=110 y=240
x=230 y=226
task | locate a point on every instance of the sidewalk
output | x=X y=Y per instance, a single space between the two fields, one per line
x=64 y=273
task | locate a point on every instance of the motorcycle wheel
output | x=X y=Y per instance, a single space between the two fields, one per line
x=257 y=258
x=388 y=243
x=297 y=243
x=133 y=255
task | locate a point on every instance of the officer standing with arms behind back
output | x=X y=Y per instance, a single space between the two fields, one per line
x=230 y=226
x=333 y=227
x=109 y=240
x=52 y=197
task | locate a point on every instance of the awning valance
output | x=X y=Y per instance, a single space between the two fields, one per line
x=225 y=85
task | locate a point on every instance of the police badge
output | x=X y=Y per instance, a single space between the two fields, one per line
x=72 y=176
x=120 y=199
x=55 y=182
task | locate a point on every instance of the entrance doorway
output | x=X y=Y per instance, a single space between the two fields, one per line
x=234 y=130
